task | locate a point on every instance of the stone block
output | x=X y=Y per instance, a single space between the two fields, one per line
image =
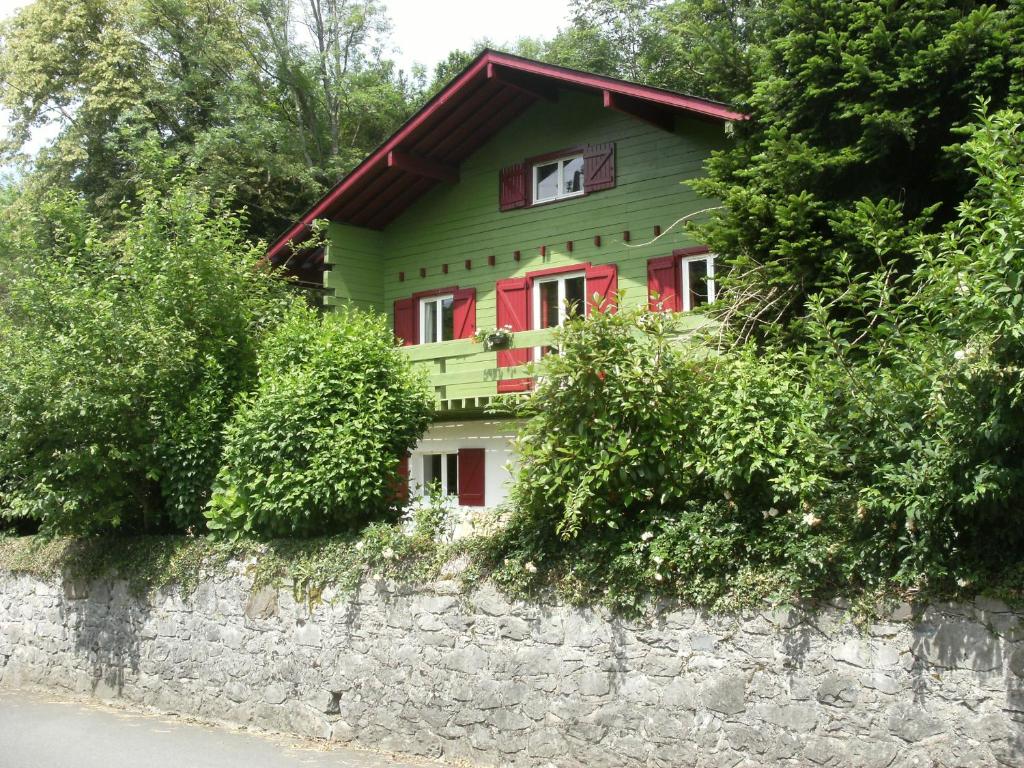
x=725 y=694
x=262 y=603
x=959 y=645
x=792 y=717
x=838 y=690
x=913 y=723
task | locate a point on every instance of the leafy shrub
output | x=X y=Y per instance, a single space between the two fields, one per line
x=314 y=449
x=120 y=357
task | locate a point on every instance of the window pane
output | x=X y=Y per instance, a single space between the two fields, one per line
x=548 y=304
x=452 y=488
x=698 y=272
x=547 y=182
x=572 y=176
x=447 y=319
x=575 y=296
x=431 y=469
x=429 y=322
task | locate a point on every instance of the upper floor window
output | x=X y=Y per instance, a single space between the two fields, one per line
x=698 y=280
x=558 y=179
x=437 y=319
x=559 y=175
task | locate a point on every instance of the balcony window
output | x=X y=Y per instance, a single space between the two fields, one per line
x=437 y=319
x=698 y=281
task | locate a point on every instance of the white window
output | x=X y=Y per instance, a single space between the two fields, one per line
x=698 y=280
x=437 y=319
x=558 y=179
x=556 y=298
x=442 y=469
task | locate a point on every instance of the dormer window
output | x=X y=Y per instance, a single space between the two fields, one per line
x=558 y=179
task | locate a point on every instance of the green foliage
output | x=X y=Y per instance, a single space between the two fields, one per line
x=120 y=357
x=702 y=47
x=315 y=448
x=230 y=88
x=854 y=110
x=311 y=567
x=878 y=451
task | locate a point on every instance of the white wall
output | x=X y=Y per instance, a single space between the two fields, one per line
x=494 y=436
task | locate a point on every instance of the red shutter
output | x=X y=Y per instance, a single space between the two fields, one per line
x=471 y=477
x=405 y=321
x=598 y=167
x=402 y=481
x=514 y=311
x=464 y=312
x=512 y=187
x=602 y=286
x=663 y=282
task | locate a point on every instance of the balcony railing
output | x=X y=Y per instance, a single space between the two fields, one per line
x=465 y=375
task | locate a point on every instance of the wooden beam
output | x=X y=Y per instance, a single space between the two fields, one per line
x=422 y=166
x=539 y=89
x=639 y=109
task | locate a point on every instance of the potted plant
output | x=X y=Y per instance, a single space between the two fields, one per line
x=494 y=338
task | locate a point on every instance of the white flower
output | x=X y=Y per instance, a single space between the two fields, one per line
x=812 y=520
x=529 y=567
x=773 y=512
x=359 y=546
x=962 y=582
x=388 y=553
x=646 y=536
x=658 y=560
x=658 y=577
x=960 y=354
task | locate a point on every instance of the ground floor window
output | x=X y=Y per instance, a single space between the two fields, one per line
x=442 y=469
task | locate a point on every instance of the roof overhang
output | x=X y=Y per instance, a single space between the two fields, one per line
x=489 y=93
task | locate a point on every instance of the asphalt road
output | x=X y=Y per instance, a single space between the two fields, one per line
x=44 y=731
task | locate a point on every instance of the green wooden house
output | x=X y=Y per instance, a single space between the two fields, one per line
x=521 y=193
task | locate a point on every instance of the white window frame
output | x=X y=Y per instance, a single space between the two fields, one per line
x=683 y=268
x=559 y=195
x=444 y=473
x=560 y=278
x=439 y=300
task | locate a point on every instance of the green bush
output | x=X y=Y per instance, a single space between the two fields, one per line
x=120 y=358
x=314 y=449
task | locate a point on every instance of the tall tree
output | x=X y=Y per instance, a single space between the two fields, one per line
x=854 y=115
x=701 y=47
x=267 y=100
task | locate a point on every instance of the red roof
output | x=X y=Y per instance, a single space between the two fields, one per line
x=490 y=92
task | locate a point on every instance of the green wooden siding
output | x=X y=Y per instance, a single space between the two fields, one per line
x=460 y=222
x=354 y=257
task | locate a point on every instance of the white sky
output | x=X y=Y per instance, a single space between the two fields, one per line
x=425 y=31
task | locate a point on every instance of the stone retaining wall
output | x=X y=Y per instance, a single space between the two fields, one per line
x=473 y=678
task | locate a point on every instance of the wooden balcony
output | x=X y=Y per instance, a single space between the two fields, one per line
x=464 y=375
